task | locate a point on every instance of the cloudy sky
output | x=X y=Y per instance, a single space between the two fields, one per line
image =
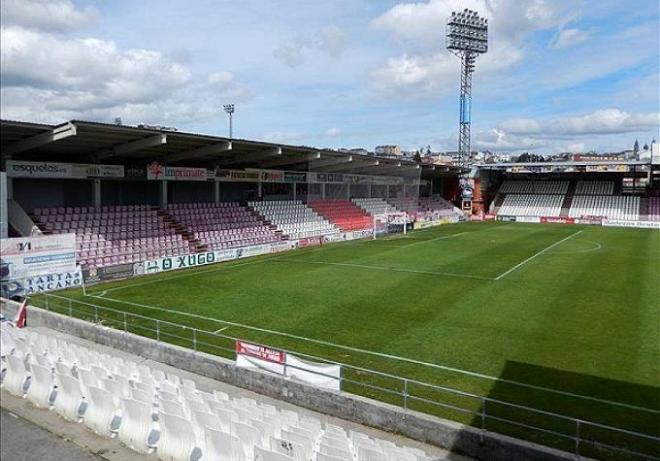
x=559 y=75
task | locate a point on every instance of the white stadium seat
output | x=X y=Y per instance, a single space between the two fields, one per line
x=222 y=446
x=170 y=415
x=136 y=425
x=177 y=438
x=101 y=411
x=261 y=454
x=69 y=398
x=16 y=376
x=42 y=385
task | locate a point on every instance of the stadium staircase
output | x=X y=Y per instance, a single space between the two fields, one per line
x=568 y=199
x=497 y=203
x=644 y=209
x=182 y=230
x=263 y=219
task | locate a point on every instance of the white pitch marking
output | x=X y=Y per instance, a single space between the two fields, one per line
x=442 y=237
x=387 y=356
x=187 y=274
x=220 y=329
x=381 y=268
x=504 y=274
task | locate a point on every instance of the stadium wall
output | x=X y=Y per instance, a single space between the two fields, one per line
x=428 y=429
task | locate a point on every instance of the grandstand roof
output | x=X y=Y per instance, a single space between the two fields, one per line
x=91 y=142
x=497 y=166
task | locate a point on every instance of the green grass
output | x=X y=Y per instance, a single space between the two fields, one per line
x=582 y=316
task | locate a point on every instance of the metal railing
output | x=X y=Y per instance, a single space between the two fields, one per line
x=579 y=436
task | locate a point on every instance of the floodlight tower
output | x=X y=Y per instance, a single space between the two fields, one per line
x=467 y=37
x=230 y=109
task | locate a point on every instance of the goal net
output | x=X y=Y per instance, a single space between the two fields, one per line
x=390 y=223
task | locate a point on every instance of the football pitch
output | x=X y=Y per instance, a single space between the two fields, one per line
x=564 y=319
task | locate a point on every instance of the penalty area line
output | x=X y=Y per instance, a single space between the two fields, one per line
x=387 y=356
x=383 y=268
x=548 y=248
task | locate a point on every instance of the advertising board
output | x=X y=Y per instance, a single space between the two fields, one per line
x=22 y=257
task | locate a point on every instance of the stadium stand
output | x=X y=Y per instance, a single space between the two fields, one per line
x=594 y=188
x=375 y=206
x=534 y=187
x=423 y=207
x=531 y=205
x=223 y=225
x=343 y=213
x=114 y=235
x=610 y=207
x=654 y=209
x=151 y=411
x=293 y=218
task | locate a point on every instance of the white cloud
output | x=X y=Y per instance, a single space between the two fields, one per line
x=291 y=52
x=333 y=132
x=427 y=67
x=605 y=121
x=47 y=15
x=567 y=38
x=330 y=40
x=566 y=134
x=220 y=80
x=51 y=77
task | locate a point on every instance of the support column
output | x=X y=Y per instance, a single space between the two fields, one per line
x=369 y=190
x=10 y=189
x=348 y=191
x=323 y=191
x=294 y=191
x=259 y=191
x=216 y=192
x=387 y=191
x=163 y=194
x=96 y=192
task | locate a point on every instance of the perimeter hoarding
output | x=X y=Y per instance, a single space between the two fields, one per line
x=24 y=257
x=25 y=169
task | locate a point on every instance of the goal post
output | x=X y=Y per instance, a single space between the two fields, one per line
x=390 y=223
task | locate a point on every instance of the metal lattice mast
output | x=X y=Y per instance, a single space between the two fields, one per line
x=467 y=37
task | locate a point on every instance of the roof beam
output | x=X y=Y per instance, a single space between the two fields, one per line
x=59 y=132
x=132 y=146
x=331 y=161
x=205 y=151
x=350 y=167
x=251 y=157
x=291 y=160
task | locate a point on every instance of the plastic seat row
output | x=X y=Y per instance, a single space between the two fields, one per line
x=607 y=206
x=532 y=205
x=534 y=187
x=594 y=188
x=149 y=410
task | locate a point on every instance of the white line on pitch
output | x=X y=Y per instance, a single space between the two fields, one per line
x=387 y=356
x=381 y=268
x=187 y=274
x=220 y=329
x=442 y=237
x=504 y=274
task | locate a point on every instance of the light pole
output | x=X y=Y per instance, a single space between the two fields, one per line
x=230 y=109
x=467 y=37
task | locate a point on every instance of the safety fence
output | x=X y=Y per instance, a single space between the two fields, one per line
x=582 y=437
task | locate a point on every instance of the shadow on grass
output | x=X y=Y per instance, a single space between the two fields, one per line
x=566 y=421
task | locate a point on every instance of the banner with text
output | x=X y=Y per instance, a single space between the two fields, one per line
x=156 y=171
x=24 y=169
x=22 y=257
x=42 y=283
